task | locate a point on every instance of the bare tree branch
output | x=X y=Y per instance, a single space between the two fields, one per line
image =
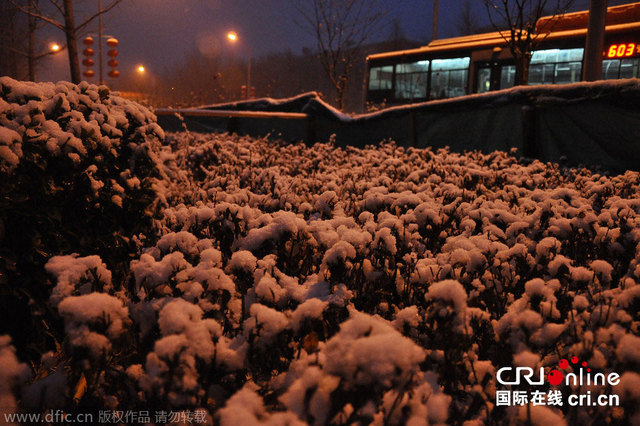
x=37 y=15
x=57 y=5
x=98 y=13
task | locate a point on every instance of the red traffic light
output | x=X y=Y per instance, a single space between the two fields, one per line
x=113 y=63
x=88 y=52
x=112 y=42
x=88 y=62
x=114 y=73
x=112 y=52
x=89 y=73
x=88 y=41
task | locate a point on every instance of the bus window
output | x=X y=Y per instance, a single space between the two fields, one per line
x=541 y=74
x=610 y=69
x=568 y=72
x=484 y=80
x=629 y=68
x=507 y=76
x=555 y=66
x=411 y=80
x=620 y=68
x=380 y=78
x=449 y=77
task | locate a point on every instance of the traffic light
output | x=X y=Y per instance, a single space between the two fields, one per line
x=113 y=52
x=243 y=92
x=253 y=92
x=88 y=52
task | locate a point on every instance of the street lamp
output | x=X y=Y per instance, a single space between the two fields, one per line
x=233 y=38
x=54 y=47
x=146 y=83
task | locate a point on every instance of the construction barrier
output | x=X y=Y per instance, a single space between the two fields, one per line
x=593 y=124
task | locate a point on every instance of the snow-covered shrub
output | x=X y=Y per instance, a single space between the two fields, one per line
x=80 y=171
x=13 y=376
x=189 y=347
x=92 y=322
x=82 y=161
x=290 y=284
x=78 y=275
x=479 y=260
x=347 y=376
x=246 y=407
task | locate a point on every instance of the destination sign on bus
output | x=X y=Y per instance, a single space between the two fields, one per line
x=623 y=50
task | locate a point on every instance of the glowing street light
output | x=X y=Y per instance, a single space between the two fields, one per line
x=54 y=47
x=233 y=38
x=145 y=82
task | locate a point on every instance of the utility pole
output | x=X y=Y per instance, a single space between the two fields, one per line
x=248 y=72
x=435 y=20
x=594 y=45
x=100 y=74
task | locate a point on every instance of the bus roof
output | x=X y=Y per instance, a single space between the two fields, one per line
x=616 y=15
x=446 y=44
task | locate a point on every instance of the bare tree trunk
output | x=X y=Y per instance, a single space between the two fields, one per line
x=72 y=44
x=341 y=90
x=31 y=60
x=522 y=69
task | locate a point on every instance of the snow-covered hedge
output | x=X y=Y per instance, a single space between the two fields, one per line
x=79 y=167
x=73 y=156
x=285 y=284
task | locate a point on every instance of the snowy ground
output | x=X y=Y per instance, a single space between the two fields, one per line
x=286 y=284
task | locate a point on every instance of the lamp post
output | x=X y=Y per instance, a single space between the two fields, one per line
x=112 y=52
x=146 y=84
x=100 y=74
x=233 y=38
x=142 y=79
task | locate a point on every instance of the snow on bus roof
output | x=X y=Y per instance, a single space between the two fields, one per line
x=616 y=15
x=583 y=31
x=455 y=43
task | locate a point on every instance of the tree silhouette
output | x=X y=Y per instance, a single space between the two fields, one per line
x=64 y=10
x=340 y=28
x=520 y=18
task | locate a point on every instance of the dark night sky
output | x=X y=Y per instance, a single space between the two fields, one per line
x=158 y=33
